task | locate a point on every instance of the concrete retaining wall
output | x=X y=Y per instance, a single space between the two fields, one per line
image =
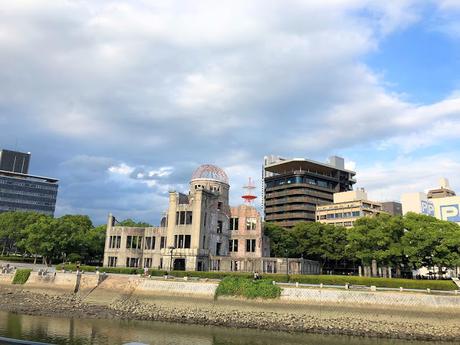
x=6 y=278
x=60 y=281
x=176 y=288
x=356 y=298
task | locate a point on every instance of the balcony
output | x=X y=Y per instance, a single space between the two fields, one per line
x=302 y=190
x=287 y=208
x=291 y=215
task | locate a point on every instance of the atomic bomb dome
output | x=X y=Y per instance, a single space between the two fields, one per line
x=210 y=172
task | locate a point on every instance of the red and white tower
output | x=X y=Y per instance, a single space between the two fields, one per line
x=249 y=197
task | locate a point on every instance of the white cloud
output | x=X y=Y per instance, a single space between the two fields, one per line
x=163 y=86
x=121 y=169
x=162 y=172
x=385 y=180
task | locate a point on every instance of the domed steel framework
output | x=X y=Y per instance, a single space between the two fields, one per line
x=211 y=172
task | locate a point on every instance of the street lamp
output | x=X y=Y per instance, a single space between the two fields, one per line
x=287 y=265
x=171 y=248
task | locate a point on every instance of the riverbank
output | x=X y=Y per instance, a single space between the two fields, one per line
x=402 y=323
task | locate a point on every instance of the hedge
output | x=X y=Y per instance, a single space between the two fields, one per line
x=21 y=275
x=245 y=287
x=379 y=282
x=282 y=278
x=17 y=259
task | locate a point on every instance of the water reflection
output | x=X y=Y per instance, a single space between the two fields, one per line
x=90 y=331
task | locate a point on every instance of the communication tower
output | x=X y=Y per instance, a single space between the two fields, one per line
x=248 y=196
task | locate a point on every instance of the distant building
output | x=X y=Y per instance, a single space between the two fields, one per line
x=392 y=207
x=434 y=204
x=200 y=232
x=347 y=208
x=443 y=191
x=294 y=187
x=20 y=191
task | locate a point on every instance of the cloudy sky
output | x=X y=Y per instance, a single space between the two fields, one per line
x=122 y=100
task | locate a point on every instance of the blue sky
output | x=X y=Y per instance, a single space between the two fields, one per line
x=123 y=100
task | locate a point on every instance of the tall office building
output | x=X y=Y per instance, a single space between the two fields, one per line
x=20 y=191
x=294 y=187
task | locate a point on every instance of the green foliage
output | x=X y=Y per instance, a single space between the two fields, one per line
x=245 y=287
x=411 y=241
x=17 y=259
x=12 y=225
x=379 y=282
x=21 y=275
x=377 y=238
x=133 y=223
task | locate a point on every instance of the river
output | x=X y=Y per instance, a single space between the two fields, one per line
x=95 y=331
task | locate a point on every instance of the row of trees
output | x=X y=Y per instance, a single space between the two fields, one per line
x=70 y=238
x=412 y=241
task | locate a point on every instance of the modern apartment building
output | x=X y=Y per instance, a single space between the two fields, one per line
x=294 y=187
x=347 y=208
x=20 y=191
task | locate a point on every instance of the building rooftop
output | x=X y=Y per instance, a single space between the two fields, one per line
x=302 y=164
x=27 y=176
x=210 y=172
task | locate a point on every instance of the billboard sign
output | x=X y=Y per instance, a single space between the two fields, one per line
x=427 y=207
x=450 y=213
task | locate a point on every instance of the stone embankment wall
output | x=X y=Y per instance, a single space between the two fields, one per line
x=176 y=288
x=364 y=298
x=116 y=286
x=6 y=278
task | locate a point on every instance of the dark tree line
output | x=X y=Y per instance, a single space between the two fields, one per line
x=68 y=238
x=410 y=242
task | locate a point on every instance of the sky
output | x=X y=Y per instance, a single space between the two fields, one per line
x=123 y=100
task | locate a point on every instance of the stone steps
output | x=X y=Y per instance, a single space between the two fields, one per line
x=456 y=281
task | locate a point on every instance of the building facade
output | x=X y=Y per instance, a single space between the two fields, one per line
x=200 y=232
x=434 y=204
x=20 y=191
x=294 y=187
x=393 y=208
x=443 y=191
x=347 y=208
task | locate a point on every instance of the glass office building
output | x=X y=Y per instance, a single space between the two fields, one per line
x=25 y=192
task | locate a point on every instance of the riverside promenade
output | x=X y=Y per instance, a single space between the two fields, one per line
x=389 y=314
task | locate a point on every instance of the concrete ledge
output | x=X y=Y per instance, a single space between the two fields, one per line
x=356 y=298
x=60 y=281
x=6 y=278
x=165 y=287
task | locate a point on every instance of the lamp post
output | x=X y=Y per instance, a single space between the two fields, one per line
x=171 y=248
x=287 y=265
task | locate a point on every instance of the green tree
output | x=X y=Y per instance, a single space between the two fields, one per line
x=421 y=237
x=282 y=242
x=321 y=242
x=376 y=238
x=12 y=225
x=133 y=223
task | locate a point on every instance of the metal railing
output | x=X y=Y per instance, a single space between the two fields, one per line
x=368 y=288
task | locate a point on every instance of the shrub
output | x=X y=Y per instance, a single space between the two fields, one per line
x=17 y=259
x=379 y=282
x=21 y=276
x=245 y=287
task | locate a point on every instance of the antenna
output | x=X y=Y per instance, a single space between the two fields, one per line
x=248 y=196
